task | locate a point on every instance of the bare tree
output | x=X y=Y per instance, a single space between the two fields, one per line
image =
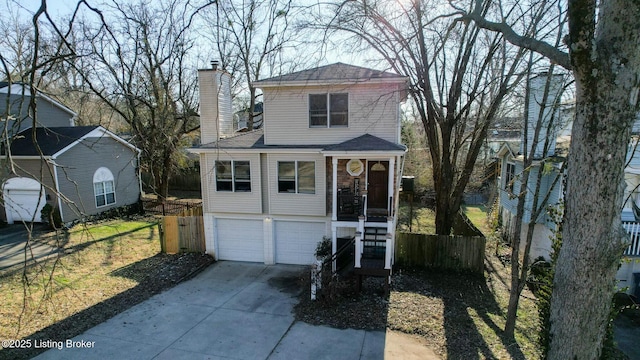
x=138 y=64
x=252 y=38
x=535 y=159
x=459 y=76
x=604 y=56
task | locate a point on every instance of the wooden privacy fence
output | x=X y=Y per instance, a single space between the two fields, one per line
x=171 y=207
x=184 y=233
x=461 y=253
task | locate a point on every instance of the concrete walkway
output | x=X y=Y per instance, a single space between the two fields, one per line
x=13 y=240
x=231 y=310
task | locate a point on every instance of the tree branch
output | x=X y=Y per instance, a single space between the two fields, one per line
x=552 y=53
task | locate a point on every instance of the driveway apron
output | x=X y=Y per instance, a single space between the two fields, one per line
x=232 y=310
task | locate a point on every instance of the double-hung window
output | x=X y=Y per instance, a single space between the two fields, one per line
x=329 y=110
x=297 y=177
x=232 y=175
x=103 y=187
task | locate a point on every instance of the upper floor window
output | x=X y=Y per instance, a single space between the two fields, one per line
x=297 y=177
x=328 y=110
x=103 y=187
x=233 y=176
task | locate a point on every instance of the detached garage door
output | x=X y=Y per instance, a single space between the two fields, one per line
x=240 y=240
x=24 y=199
x=296 y=241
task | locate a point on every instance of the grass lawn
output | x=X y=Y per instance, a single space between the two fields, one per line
x=478 y=216
x=84 y=273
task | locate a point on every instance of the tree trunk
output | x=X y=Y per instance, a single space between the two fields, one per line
x=607 y=73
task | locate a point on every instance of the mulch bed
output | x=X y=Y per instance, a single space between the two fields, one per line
x=434 y=305
x=160 y=273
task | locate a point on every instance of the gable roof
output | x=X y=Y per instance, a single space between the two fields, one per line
x=366 y=142
x=333 y=73
x=22 y=89
x=50 y=140
x=53 y=141
x=506 y=148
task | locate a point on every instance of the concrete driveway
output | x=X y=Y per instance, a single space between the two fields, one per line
x=13 y=239
x=232 y=310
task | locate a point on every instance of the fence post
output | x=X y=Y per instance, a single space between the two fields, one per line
x=316 y=278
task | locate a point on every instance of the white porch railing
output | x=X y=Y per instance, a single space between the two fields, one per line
x=358 y=249
x=364 y=207
x=633 y=229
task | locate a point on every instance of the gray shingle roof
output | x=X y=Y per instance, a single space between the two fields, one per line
x=255 y=140
x=332 y=72
x=51 y=140
x=366 y=142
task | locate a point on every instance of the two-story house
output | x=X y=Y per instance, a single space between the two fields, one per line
x=78 y=170
x=549 y=155
x=326 y=163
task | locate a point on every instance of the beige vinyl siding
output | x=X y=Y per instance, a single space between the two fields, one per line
x=264 y=179
x=77 y=167
x=216 y=114
x=297 y=204
x=373 y=109
x=231 y=202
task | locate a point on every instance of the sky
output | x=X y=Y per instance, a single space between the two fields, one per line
x=55 y=7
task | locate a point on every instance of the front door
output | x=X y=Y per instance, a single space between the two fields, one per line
x=378 y=187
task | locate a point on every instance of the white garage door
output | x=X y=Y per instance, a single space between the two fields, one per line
x=24 y=200
x=296 y=241
x=240 y=240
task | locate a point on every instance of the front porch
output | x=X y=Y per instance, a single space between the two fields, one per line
x=363 y=177
x=363 y=207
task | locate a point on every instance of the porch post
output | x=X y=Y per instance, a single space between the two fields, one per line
x=392 y=176
x=334 y=245
x=334 y=186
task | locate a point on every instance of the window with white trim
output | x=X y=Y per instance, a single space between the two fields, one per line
x=329 y=110
x=104 y=190
x=509 y=176
x=297 y=177
x=233 y=176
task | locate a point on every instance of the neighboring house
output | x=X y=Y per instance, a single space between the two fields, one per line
x=78 y=170
x=550 y=163
x=241 y=118
x=326 y=163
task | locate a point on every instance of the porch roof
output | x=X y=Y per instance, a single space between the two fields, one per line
x=365 y=143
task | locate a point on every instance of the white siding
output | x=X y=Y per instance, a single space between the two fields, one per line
x=373 y=109
x=240 y=240
x=296 y=241
x=216 y=114
x=264 y=179
x=231 y=202
x=537 y=87
x=297 y=204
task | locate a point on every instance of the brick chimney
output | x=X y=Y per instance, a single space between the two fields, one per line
x=216 y=114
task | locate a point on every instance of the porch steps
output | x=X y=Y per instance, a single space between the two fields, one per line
x=373 y=255
x=374 y=243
